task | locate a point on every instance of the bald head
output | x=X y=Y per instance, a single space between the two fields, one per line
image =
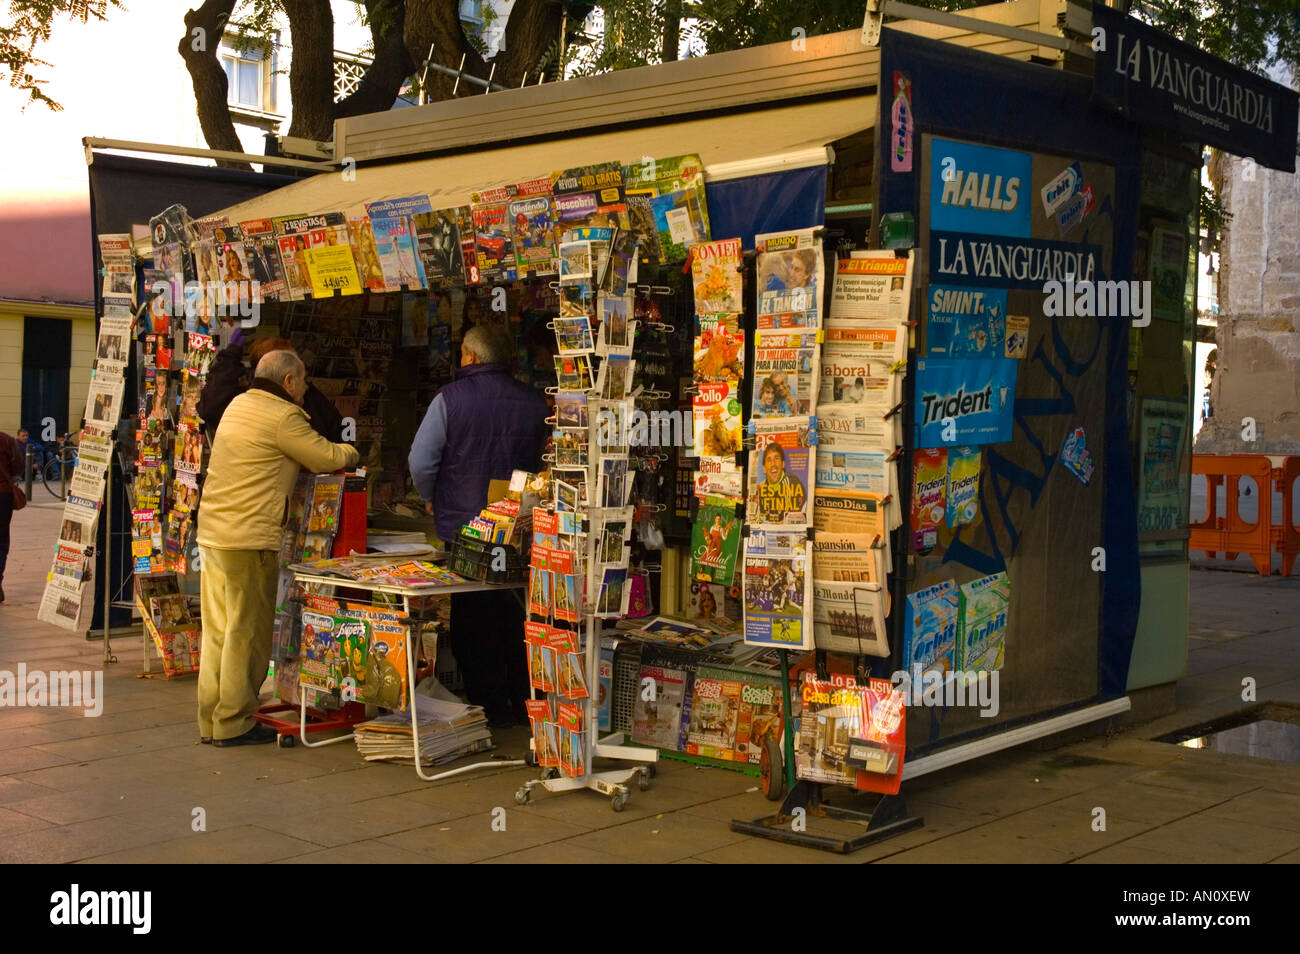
x=285 y=369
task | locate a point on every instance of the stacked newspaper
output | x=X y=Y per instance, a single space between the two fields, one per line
x=448 y=730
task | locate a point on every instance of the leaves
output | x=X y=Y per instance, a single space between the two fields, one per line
x=29 y=26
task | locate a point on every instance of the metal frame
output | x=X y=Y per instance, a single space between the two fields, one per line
x=415 y=630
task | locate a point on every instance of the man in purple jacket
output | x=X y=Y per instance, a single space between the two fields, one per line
x=480 y=428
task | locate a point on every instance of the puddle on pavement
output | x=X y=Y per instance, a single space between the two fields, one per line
x=1270 y=732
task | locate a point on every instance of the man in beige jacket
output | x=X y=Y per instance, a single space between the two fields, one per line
x=261 y=442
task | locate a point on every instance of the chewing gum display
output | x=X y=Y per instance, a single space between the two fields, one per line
x=929 y=497
x=1075 y=457
x=930 y=636
x=984 y=605
x=963 y=485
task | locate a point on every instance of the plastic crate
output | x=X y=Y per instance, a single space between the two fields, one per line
x=474 y=559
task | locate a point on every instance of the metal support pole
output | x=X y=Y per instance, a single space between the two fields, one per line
x=108 y=552
x=27 y=470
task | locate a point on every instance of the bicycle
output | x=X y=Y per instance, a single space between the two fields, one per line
x=58 y=469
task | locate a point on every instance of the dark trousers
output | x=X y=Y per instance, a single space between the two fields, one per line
x=6 y=514
x=487 y=637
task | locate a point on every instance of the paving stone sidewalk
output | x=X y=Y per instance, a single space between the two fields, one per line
x=124 y=787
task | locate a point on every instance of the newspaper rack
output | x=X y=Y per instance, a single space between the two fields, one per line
x=416 y=622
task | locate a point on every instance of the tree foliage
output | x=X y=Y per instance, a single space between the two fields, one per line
x=29 y=25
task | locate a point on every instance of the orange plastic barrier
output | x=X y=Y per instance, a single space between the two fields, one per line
x=1229 y=533
x=1286 y=539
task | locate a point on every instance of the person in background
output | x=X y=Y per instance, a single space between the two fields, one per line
x=480 y=428
x=39 y=452
x=229 y=376
x=263 y=440
x=11 y=469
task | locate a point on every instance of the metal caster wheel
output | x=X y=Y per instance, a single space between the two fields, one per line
x=618 y=802
x=285 y=741
x=523 y=796
x=771 y=771
x=643 y=780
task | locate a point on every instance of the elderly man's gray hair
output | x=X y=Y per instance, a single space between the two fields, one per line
x=490 y=344
x=276 y=364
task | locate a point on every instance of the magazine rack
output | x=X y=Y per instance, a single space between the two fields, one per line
x=875 y=817
x=416 y=622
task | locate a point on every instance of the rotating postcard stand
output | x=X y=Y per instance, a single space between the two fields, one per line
x=611 y=782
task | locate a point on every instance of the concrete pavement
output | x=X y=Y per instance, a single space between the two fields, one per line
x=131 y=785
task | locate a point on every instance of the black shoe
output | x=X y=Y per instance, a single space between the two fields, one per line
x=503 y=720
x=257 y=735
x=205 y=739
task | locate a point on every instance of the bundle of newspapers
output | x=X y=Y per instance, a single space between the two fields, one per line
x=448 y=730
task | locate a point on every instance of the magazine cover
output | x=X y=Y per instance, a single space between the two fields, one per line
x=720 y=350
x=674 y=188
x=715 y=541
x=714 y=715
x=320 y=652
x=263 y=255
x=118 y=285
x=326 y=502
x=759 y=720
x=780 y=471
x=716 y=413
x=437 y=242
x=589 y=196
x=875 y=286
x=721 y=477
x=532 y=218
x=641 y=218
x=372 y=649
x=657 y=714
x=366 y=255
x=850 y=733
x=786 y=374
x=790 y=274
x=294 y=235
x=494 y=234
x=777 y=589
x=716 y=277
x=394 y=232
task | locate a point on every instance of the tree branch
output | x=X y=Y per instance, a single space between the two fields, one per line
x=311 y=69
x=198 y=48
x=392 y=64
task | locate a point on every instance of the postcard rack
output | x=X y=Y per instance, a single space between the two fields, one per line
x=612 y=782
x=411 y=599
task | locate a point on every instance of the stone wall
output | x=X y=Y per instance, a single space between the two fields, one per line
x=1259 y=312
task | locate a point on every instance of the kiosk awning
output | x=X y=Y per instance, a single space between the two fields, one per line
x=739 y=145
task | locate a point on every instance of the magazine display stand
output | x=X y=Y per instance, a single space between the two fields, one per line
x=412 y=599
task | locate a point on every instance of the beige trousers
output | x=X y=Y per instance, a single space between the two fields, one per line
x=237 y=594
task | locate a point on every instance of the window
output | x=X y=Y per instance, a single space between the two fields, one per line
x=243 y=78
x=250 y=73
